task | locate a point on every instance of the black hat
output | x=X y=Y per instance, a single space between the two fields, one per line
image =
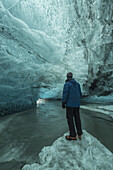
x=69 y=75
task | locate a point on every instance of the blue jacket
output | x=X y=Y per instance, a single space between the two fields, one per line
x=71 y=93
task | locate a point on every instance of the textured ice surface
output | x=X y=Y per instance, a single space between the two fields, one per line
x=40 y=41
x=99 y=99
x=86 y=154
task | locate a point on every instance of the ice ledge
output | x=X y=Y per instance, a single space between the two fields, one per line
x=86 y=154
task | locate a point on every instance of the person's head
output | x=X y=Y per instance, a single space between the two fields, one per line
x=69 y=75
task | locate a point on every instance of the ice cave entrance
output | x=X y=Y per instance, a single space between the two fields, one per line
x=40 y=101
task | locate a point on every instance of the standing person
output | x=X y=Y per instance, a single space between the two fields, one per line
x=71 y=98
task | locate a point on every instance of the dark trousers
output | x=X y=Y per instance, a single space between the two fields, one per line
x=73 y=112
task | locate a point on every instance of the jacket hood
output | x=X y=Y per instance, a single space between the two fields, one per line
x=73 y=81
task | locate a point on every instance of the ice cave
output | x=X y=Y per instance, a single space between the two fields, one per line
x=40 y=41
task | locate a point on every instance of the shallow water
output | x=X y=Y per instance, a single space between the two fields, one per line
x=23 y=135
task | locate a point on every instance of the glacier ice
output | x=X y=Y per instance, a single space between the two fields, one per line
x=40 y=41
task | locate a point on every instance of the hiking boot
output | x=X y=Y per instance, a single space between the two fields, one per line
x=70 y=137
x=80 y=136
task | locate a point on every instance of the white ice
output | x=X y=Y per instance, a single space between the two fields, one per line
x=85 y=154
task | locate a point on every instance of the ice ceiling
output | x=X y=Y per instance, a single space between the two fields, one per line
x=41 y=40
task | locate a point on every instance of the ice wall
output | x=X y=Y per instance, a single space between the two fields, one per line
x=42 y=40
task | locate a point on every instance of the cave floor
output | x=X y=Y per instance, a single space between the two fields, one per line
x=23 y=135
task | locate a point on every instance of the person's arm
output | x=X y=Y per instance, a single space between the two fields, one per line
x=80 y=91
x=65 y=93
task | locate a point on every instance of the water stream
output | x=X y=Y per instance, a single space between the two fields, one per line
x=23 y=135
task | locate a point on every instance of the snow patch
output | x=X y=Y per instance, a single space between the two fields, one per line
x=104 y=109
